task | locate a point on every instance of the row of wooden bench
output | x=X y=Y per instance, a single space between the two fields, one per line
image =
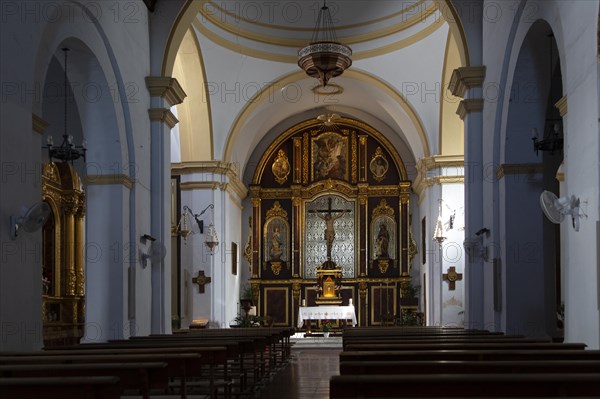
x=197 y=364
x=452 y=362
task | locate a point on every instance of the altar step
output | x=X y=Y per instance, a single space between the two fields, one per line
x=332 y=334
x=300 y=341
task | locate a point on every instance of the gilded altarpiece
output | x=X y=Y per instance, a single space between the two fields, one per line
x=336 y=194
x=63 y=279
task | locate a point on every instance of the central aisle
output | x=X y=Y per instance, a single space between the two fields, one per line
x=306 y=376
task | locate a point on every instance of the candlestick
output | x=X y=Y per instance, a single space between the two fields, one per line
x=304 y=302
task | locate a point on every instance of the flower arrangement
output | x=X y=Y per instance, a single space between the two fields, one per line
x=326 y=325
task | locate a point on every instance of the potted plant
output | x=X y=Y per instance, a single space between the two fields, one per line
x=246 y=301
x=247 y=321
x=326 y=326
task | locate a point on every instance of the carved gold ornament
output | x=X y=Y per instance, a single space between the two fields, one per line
x=383 y=209
x=379 y=165
x=277 y=210
x=281 y=167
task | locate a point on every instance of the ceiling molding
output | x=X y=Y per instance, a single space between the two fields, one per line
x=363 y=76
x=464 y=78
x=188 y=168
x=292 y=59
x=234 y=184
x=108 y=180
x=166 y=88
x=310 y=29
x=440 y=161
x=163 y=115
x=469 y=105
x=220 y=22
x=519 y=169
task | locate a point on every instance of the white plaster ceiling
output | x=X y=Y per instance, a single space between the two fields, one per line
x=249 y=46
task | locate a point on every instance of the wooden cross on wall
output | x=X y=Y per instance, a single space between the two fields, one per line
x=201 y=280
x=452 y=277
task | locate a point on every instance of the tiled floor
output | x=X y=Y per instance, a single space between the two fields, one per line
x=306 y=376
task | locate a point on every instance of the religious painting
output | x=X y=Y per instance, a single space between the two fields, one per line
x=379 y=165
x=330 y=157
x=281 y=167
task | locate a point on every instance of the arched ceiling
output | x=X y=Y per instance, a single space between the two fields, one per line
x=249 y=53
x=276 y=30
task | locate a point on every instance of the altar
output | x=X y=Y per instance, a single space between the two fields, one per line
x=326 y=313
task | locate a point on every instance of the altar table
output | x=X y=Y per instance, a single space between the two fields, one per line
x=326 y=313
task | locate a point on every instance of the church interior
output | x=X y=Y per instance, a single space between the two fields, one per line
x=306 y=166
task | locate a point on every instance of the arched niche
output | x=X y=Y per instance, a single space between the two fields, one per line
x=531 y=266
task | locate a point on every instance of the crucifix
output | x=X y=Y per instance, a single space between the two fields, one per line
x=328 y=216
x=452 y=277
x=201 y=280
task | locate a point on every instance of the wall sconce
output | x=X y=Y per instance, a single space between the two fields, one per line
x=552 y=140
x=184 y=227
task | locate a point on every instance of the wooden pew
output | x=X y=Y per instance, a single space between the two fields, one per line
x=424 y=362
x=215 y=354
x=141 y=376
x=96 y=387
x=180 y=366
x=463 y=346
x=466 y=385
x=389 y=341
x=275 y=342
x=464 y=355
x=468 y=367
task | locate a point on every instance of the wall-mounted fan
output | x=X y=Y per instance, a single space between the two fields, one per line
x=156 y=253
x=31 y=220
x=556 y=208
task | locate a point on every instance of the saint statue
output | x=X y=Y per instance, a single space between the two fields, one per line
x=382 y=242
x=276 y=244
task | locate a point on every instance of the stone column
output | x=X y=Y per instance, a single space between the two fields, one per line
x=166 y=92
x=466 y=82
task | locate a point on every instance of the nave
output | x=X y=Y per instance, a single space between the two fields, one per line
x=306 y=376
x=433 y=362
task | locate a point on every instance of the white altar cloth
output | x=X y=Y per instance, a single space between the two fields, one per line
x=326 y=313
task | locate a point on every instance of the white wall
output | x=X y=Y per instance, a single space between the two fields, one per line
x=575 y=33
x=116 y=35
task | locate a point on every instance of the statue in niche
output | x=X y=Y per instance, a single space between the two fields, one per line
x=382 y=242
x=276 y=244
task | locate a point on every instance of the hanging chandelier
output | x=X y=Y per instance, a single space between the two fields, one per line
x=324 y=58
x=66 y=151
